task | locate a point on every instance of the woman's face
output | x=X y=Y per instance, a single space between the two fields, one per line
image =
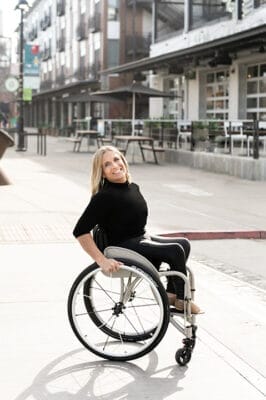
x=113 y=167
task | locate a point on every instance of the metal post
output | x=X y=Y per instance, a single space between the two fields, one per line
x=21 y=142
x=256 y=140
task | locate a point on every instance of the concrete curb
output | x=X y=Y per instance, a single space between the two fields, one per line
x=214 y=235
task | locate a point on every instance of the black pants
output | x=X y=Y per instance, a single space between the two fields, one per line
x=173 y=251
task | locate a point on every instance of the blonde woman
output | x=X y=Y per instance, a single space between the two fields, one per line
x=119 y=208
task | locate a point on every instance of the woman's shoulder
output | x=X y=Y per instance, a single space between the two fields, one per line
x=134 y=185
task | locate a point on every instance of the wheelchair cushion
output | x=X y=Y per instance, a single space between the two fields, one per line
x=131 y=257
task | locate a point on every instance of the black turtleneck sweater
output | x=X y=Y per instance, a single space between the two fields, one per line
x=119 y=208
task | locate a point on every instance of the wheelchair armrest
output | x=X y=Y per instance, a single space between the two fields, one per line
x=131 y=257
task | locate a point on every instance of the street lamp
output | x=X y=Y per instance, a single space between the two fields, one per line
x=22 y=6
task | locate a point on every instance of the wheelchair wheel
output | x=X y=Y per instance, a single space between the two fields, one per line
x=118 y=317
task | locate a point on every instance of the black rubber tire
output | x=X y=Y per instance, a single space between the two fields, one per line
x=153 y=343
x=183 y=356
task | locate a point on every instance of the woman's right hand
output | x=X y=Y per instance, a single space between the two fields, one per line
x=110 y=265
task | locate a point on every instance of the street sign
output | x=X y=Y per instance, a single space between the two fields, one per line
x=11 y=84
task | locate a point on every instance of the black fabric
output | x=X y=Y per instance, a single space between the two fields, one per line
x=100 y=238
x=119 y=208
x=174 y=253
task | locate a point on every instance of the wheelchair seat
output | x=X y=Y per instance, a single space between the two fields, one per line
x=130 y=257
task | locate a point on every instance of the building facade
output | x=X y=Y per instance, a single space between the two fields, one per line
x=77 y=39
x=211 y=54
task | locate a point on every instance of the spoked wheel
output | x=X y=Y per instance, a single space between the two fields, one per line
x=118 y=317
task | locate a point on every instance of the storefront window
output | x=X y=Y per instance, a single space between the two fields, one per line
x=256 y=89
x=217 y=100
x=175 y=86
x=252 y=87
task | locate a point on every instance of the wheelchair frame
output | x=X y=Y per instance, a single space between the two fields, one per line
x=124 y=315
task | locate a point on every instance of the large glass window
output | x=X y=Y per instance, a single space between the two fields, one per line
x=256 y=92
x=209 y=10
x=217 y=96
x=113 y=9
x=113 y=53
x=169 y=18
x=175 y=86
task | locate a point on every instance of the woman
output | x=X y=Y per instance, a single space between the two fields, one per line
x=119 y=208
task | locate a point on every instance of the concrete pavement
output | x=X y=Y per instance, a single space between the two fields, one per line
x=41 y=358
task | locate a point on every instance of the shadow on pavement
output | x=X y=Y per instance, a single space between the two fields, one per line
x=70 y=378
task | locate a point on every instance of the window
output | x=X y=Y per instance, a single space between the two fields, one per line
x=256 y=92
x=113 y=53
x=217 y=94
x=209 y=10
x=175 y=86
x=113 y=10
x=170 y=18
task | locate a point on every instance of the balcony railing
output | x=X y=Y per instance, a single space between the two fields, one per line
x=81 y=73
x=94 y=23
x=46 y=84
x=60 y=8
x=81 y=33
x=46 y=54
x=45 y=22
x=61 y=44
x=94 y=70
x=139 y=45
x=60 y=79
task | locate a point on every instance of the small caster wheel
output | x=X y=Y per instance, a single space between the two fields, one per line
x=183 y=356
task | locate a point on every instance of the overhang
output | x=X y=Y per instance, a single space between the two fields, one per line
x=93 y=84
x=232 y=43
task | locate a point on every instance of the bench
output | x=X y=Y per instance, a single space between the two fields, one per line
x=80 y=135
x=77 y=143
x=153 y=149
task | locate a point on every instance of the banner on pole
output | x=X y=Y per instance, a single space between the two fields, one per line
x=27 y=94
x=31 y=60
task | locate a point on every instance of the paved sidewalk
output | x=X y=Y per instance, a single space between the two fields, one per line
x=40 y=357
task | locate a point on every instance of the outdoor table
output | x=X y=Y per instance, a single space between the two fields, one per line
x=80 y=135
x=144 y=142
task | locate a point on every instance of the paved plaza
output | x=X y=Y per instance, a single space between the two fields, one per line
x=41 y=358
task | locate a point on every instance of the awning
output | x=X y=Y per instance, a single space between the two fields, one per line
x=88 y=98
x=93 y=84
x=232 y=43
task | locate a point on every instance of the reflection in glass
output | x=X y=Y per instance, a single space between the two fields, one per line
x=263 y=102
x=252 y=72
x=252 y=87
x=263 y=70
x=263 y=86
x=252 y=102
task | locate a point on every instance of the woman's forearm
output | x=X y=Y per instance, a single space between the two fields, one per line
x=87 y=243
x=107 y=264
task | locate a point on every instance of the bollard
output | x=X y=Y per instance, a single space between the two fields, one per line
x=256 y=140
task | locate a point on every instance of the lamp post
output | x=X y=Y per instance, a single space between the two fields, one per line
x=22 y=6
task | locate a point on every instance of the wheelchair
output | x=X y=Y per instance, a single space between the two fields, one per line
x=124 y=315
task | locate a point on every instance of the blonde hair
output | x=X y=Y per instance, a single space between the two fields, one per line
x=97 y=170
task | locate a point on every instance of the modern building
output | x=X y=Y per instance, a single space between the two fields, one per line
x=211 y=54
x=77 y=39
